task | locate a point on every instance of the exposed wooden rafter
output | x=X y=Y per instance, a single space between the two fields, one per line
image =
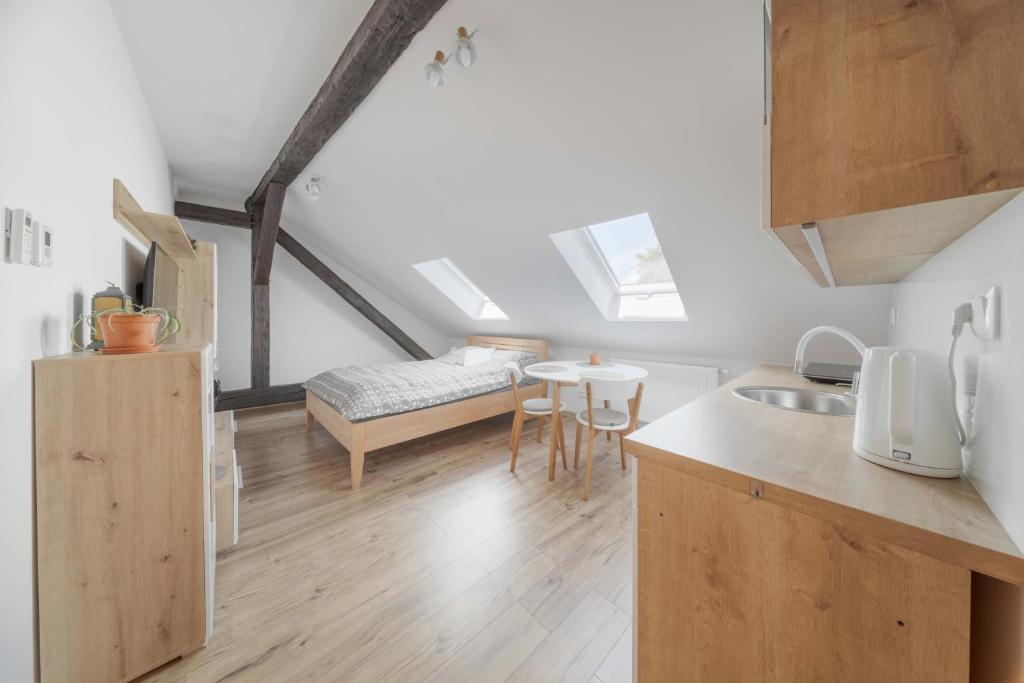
x=211 y=214
x=259 y=311
x=266 y=396
x=304 y=256
x=381 y=38
x=354 y=298
x=269 y=224
x=385 y=32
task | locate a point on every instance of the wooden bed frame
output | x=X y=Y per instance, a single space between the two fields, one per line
x=387 y=430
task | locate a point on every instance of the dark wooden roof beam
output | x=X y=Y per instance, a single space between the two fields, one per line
x=211 y=214
x=354 y=298
x=377 y=43
x=264 y=396
x=317 y=267
x=269 y=224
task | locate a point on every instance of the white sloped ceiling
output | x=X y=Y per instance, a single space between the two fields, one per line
x=577 y=112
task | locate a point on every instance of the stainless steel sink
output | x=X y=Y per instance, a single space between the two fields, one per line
x=803 y=400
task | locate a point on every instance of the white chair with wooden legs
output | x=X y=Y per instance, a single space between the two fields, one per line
x=535 y=407
x=605 y=419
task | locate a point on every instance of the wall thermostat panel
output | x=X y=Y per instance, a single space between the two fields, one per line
x=42 y=245
x=19 y=237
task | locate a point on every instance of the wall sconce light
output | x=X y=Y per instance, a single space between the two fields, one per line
x=464 y=53
x=435 y=70
x=313 y=188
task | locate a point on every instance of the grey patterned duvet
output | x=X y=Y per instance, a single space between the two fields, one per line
x=362 y=392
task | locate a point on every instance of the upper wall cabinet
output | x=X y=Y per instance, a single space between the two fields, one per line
x=895 y=126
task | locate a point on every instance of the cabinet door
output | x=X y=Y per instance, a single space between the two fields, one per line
x=119 y=513
x=733 y=588
x=885 y=103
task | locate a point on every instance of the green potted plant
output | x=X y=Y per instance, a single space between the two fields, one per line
x=130 y=329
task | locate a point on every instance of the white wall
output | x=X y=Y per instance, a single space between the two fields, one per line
x=990 y=254
x=73 y=117
x=311 y=328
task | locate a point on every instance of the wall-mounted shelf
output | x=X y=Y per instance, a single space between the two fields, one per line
x=151 y=227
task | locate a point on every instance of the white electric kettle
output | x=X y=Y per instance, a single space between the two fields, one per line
x=905 y=416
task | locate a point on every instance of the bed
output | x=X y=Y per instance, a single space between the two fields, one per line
x=359 y=435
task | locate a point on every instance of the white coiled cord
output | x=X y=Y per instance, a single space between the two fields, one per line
x=960 y=431
x=962 y=315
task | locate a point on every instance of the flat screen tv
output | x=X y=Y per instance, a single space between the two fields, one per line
x=144 y=291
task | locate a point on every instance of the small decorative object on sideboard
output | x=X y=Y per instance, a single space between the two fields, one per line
x=110 y=298
x=595 y=358
x=129 y=329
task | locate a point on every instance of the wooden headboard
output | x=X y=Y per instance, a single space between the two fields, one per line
x=537 y=346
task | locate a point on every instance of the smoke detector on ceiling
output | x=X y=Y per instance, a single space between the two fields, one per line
x=313 y=188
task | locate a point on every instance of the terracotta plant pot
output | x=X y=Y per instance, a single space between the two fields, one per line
x=128 y=331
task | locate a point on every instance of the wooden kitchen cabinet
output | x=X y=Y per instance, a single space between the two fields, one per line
x=734 y=588
x=881 y=112
x=767 y=550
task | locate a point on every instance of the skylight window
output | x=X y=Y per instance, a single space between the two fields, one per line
x=622 y=266
x=456 y=285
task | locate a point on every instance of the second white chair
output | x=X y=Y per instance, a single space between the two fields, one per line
x=605 y=419
x=539 y=408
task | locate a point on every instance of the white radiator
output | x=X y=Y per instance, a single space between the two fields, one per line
x=671 y=385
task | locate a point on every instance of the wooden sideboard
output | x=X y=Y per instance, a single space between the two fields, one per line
x=124 y=510
x=127 y=450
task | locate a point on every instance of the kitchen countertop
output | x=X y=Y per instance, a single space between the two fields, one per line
x=806 y=462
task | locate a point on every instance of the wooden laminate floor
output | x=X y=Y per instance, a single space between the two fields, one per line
x=444 y=567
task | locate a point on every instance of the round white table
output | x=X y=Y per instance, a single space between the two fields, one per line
x=569 y=372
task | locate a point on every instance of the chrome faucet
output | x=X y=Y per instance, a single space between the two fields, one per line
x=798 y=363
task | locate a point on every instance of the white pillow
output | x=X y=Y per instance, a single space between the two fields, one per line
x=476 y=355
x=468 y=355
